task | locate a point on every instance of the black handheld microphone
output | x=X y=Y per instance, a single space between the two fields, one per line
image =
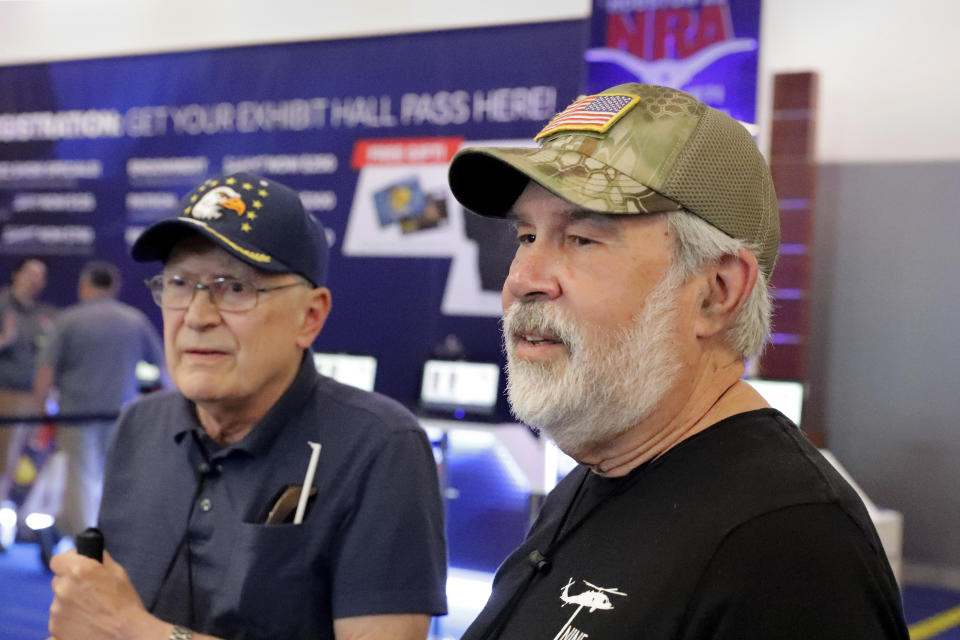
x=90 y=543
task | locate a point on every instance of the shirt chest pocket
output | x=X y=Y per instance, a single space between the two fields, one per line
x=277 y=582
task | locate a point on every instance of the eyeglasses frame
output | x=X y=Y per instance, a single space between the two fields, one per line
x=157 y=293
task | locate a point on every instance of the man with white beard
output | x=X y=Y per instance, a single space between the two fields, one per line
x=647 y=230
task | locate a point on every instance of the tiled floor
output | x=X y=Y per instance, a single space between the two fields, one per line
x=933 y=614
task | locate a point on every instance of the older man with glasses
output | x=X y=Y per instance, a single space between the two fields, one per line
x=201 y=484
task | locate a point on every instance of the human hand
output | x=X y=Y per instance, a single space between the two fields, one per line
x=93 y=600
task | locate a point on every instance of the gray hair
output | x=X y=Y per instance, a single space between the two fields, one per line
x=697 y=243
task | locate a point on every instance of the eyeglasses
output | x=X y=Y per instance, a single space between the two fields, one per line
x=227 y=294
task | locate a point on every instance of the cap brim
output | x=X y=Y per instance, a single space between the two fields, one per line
x=488 y=181
x=156 y=242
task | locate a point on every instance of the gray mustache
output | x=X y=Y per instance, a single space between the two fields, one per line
x=540 y=317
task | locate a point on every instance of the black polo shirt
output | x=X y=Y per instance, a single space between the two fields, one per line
x=185 y=517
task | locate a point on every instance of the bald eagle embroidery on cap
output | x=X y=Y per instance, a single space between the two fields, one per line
x=211 y=205
x=231 y=207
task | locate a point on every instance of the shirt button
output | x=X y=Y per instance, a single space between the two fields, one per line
x=206 y=505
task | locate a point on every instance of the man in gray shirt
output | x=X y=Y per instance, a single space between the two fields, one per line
x=25 y=323
x=91 y=359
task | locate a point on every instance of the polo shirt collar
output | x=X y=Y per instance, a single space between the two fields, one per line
x=264 y=432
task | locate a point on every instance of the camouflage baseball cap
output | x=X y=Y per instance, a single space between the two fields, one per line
x=635 y=149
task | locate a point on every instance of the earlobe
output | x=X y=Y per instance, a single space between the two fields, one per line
x=315 y=316
x=727 y=285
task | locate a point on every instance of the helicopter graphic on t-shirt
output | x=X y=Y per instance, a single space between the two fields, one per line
x=594 y=598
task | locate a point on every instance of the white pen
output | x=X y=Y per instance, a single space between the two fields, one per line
x=307 y=482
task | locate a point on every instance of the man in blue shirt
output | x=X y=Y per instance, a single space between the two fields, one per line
x=201 y=483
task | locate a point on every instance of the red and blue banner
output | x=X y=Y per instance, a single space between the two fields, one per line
x=708 y=48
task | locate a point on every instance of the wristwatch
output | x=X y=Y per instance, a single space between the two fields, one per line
x=181 y=633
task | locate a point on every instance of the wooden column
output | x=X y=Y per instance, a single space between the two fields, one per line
x=793 y=166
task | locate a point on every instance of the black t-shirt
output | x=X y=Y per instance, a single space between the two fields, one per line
x=742 y=531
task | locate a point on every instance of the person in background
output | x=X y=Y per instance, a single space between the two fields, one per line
x=201 y=511
x=91 y=359
x=648 y=229
x=25 y=323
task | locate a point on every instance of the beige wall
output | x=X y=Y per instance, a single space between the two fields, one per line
x=42 y=30
x=888 y=70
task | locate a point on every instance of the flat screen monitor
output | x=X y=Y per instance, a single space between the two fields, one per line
x=783 y=395
x=355 y=370
x=459 y=386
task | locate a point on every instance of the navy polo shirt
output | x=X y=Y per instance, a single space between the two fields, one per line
x=185 y=517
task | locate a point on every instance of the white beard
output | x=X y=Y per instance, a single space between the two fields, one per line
x=610 y=381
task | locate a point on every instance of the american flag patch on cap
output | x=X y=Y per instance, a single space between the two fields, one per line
x=593 y=113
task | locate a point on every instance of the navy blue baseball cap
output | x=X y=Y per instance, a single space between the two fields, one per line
x=257 y=220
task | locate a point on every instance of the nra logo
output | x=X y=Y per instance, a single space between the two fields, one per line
x=667 y=42
x=668 y=32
